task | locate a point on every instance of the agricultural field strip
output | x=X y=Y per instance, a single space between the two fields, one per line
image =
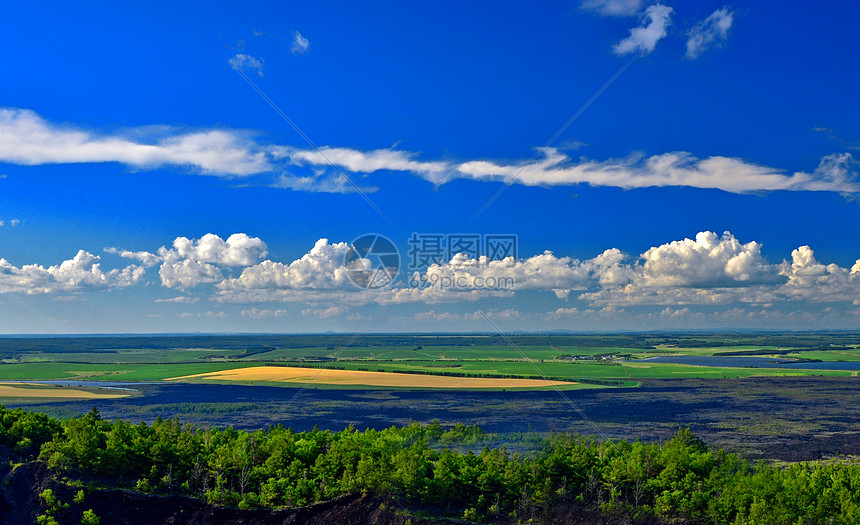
x=566 y=371
x=38 y=391
x=364 y=378
x=556 y=361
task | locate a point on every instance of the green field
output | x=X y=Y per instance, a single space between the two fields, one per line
x=610 y=360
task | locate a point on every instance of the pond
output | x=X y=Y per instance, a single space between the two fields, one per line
x=753 y=362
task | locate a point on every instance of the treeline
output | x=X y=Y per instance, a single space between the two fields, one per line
x=431 y=466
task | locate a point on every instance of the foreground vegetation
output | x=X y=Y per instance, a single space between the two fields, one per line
x=436 y=469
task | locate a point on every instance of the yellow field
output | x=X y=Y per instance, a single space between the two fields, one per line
x=361 y=378
x=37 y=391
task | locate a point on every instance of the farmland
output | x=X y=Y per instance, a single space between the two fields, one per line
x=29 y=391
x=595 y=360
x=324 y=376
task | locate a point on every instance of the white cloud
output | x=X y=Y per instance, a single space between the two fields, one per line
x=300 y=44
x=366 y=162
x=712 y=270
x=494 y=315
x=835 y=173
x=325 y=313
x=434 y=295
x=540 y=272
x=247 y=63
x=181 y=299
x=707 y=261
x=190 y=263
x=186 y=274
x=709 y=270
x=322 y=268
x=810 y=280
x=27 y=139
x=145 y=258
x=612 y=7
x=238 y=250
x=256 y=313
x=709 y=32
x=13 y=223
x=83 y=272
x=563 y=313
x=323 y=182
x=644 y=39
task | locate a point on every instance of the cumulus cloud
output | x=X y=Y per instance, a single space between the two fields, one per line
x=145 y=258
x=691 y=270
x=238 y=250
x=612 y=7
x=300 y=44
x=708 y=261
x=186 y=273
x=712 y=270
x=322 y=268
x=710 y=32
x=540 y=272
x=810 y=280
x=709 y=269
x=190 y=263
x=27 y=139
x=706 y=270
x=563 y=313
x=83 y=272
x=247 y=63
x=643 y=39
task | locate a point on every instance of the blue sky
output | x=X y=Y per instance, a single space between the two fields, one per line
x=147 y=186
